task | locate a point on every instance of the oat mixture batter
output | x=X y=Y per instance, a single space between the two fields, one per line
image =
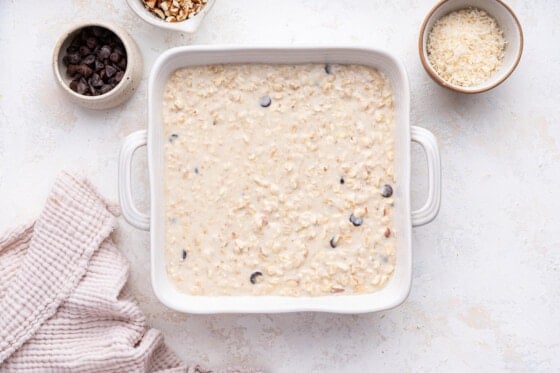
x=278 y=180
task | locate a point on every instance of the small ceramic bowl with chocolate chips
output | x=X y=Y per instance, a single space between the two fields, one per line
x=97 y=65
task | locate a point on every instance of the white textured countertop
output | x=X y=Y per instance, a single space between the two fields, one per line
x=486 y=288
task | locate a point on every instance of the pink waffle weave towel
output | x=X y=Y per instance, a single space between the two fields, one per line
x=62 y=305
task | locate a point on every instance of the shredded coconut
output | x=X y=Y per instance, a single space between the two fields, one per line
x=466 y=47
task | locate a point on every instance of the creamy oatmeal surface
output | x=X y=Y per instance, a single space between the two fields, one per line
x=278 y=180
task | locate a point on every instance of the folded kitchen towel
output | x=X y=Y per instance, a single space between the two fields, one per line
x=62 y=304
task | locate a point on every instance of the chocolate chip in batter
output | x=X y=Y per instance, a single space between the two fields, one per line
x=173 y=137
x=254 y=277
x=387 y=232
x=183 y=254
x=196 y=171
x=356 y=221
x=265 y=101
x=386 y=191
x=332 y=242
x=328 y=68
x=341 y=180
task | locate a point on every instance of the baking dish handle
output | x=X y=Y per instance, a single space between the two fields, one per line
x=429 y=211
x=131 y=143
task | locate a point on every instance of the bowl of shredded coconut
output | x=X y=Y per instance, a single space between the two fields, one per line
x=470 y=46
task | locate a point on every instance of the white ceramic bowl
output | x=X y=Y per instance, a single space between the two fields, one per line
x=506 y=19
x=188 y=26
x=122 y=91
x=397 y=288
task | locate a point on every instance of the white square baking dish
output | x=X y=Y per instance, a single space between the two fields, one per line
x=398 y=287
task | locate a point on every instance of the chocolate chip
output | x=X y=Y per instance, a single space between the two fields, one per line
x=328 y=68
x=119 y=75
x=341 y=180
x=387 y=233
x=84 y=50
x=105 y=88
x=119 y=50
x=98 y=65
x=104 y=52
x=96 y=80
x=97 y=31
x=91 y=87
x=114 y=57
x=74 y=58
x=183 y=254
x=265 y=101
x=332 y=242
x=71 y=70
x=356 y=221
x=84 y=70
x=122 y=63
x=173 y=137
x=110 y=71
x=72 y=49
x=196 y=170
x=386 y=191
x=82 y=86
x=254 y=277
x=91 y=42
x=74 y=84
x=89 y=60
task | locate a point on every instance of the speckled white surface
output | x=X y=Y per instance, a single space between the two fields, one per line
x=486 y=288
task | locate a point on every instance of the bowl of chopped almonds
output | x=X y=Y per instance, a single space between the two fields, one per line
x=178 y=15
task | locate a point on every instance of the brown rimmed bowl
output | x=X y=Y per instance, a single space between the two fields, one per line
x=122 y=91
x=506 y=19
